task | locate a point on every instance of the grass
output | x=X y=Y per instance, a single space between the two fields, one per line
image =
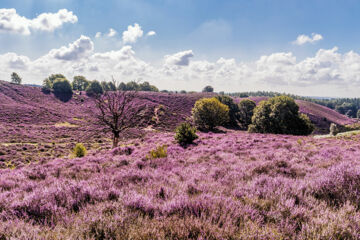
x=65 y=124
x=343 y=134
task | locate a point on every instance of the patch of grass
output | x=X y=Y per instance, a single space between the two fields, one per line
x=65 y=124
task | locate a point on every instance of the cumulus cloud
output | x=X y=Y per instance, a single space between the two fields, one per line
x=180 y=58
x=98 y=35
x=11 y=22
x=132 y=34
x=74 y=51
x=151 y=33
x=282 y=71
x=112 y=32
x=303 y=39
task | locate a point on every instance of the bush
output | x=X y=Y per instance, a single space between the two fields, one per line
x=62 y=86
x=280 y=115
x=233 y=109
x=80 y=83
x=246 y=110
x=46 y=86
x=209 y=113
x=15 y=78
x=208 y=89
x=159 y=152
x=334 y=129
x=94 y=89
x=79 y=150
x=185 y=134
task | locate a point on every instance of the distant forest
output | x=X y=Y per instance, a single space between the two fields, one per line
x=347 y=106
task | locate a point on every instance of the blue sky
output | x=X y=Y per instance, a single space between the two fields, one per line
x=257 y=34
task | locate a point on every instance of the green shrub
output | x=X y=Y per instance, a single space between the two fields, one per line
x=94 y=89
x=246 y=110
x=62 y=86
x=159 y=152
x=233 y=109
x=79 y=150
x=80 y=83
x=280 y=115
x=209 y=113
x=185 y=134
x=208 y=89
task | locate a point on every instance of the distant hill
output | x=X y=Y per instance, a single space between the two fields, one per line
x=27 y=104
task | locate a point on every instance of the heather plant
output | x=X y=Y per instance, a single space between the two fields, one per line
x=245 y=112
x=15 y=78
x=79 y=150
x=209 y=113
x=280 y=115
x=185 y=134
x=158 y=152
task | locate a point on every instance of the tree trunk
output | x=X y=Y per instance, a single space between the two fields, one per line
x=116 y=139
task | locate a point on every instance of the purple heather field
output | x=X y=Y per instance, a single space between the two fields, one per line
x=228 y=185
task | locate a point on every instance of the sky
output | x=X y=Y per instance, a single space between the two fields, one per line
x=304 y=47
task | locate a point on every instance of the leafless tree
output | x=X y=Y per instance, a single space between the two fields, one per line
x=118 y=111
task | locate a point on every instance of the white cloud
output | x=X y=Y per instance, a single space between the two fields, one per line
x=303 y=39
x=111 y=33
x=180 y=58
x=74 y=51
x=132 y=34
x=11 y=22
x=328 y=70
x=98 y=35
x=151 y=33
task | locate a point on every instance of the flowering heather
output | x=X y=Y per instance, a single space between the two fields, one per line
x=232 y=185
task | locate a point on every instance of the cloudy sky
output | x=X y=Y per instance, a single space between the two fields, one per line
x=305 y=47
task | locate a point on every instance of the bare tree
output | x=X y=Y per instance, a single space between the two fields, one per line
x=118 y=111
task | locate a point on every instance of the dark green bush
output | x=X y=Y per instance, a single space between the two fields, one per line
x=280 y=115
x=94 y=89
x=245 y=112
x=233 y=109
x=62 y=86
x=185 y=134
x=208 y=89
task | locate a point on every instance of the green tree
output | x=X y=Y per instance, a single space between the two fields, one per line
x=80 y=83
x=47 y=85
x=53 y=77
x=208 y=89
x=233 y=109
x=15 y=78
x=246 y=111
x=62 y=86
x=280 y=115
x=209 y=113
x=132 y=86
x=94 y=89
x=358 y=113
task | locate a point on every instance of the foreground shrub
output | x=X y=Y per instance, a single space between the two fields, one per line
x=94 y=89
x=79 y=150
x=246 y=110
x=185 y=134
x=159 y=152
x=233 y=109
x=209 y=113
x=280 y=115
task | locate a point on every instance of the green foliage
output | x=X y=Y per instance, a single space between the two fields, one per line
x=159 y=152
x=53 y=77
x=79 y=150
x=185 y=134
x=358 y=114
x=80 y=83
x=145 y=86
x=233 y=108
x=94 y=89
x=47 y=85
x=246 y=110
x=208 y=89
x=280 y=115
x=62 y=86
x=209 y=113
x=15 y=78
